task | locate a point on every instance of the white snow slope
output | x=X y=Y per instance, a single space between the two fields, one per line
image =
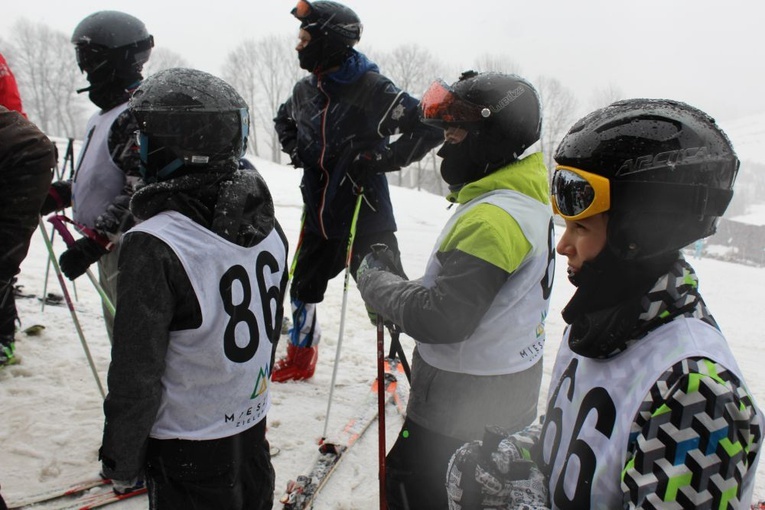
x=50 y=408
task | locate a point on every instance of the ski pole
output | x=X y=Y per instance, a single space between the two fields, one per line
x=351 y=237
x=47 y=271
x=381 y=408
x=68 y=158
x=70 y=305
x=58 y=224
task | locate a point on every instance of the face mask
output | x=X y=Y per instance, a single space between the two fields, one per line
x=322 y=53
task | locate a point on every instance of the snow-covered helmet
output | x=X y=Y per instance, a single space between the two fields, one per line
x=501 y=112
x=334 y=30
x=189 y=120
x=112 y=42
x=662 y=169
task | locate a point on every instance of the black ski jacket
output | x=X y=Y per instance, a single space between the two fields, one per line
x=330 y=119
x=155 y=297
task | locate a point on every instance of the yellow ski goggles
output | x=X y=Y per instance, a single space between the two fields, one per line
x=577 y=194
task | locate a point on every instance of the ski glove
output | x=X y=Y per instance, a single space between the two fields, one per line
x=369 y=163
x=116 y=218
x=59 y=197
x=381 y=258
x=80 y=255
x=499 y=477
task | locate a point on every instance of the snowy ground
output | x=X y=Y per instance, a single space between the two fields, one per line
x=50 y=406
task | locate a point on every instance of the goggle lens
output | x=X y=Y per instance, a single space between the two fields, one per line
x=440 y=106
x=302 y=10
x=577 y=194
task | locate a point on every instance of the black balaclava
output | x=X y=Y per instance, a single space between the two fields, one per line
x=478 y=155
x=110 y=87
x=607 y=303
x=322 y=52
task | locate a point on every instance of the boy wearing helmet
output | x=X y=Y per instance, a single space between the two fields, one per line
x=202 y=280
x=478 y=313
x=336 y=126
x=647 y=406
x=111 y=47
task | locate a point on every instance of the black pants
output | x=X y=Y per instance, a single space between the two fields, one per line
x=415 y=469
x=319 y=260
x=232 y=473
x=22 y=192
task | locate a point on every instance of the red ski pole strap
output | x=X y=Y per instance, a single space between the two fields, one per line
x=59 y=223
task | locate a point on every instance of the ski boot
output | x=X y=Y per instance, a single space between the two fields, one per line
x=299 y=364
x=7 y=351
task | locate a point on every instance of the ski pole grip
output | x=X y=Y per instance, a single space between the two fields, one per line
x=58 y=224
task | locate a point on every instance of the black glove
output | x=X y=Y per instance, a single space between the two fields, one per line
x=494 y=476
x=290 y=148
x=381 y=258
x=76 y=260
x=59 y=197
x=370 y=162
x=117 y=217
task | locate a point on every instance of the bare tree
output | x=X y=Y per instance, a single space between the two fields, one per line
x=412 y=68
x=605 y=96
x=497 y=63
x=558 y=113
x=264 y=72
x=161 y=59
x=48 y=77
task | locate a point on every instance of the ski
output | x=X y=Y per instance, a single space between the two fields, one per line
x=56 y=493
x=99 y=500
x=302 y=491
x=85 y=495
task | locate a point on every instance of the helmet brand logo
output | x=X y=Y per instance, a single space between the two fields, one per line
x=509 y=98
x=662 y=160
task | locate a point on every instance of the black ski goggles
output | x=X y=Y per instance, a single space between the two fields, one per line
x=441 y=106
x=577 y=194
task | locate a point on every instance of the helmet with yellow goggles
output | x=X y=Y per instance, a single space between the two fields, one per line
x=663 y=170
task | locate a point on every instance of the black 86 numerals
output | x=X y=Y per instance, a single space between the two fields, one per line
x=242 y=313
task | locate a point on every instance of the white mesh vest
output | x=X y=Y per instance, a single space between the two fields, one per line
x=97 y=180
x=595 y=402
x=511 y=335
x=216 y=380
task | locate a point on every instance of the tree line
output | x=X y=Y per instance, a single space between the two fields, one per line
x=263 y=71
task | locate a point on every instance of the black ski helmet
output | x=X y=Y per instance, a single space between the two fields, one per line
x=501 y=112
x=334 y=28
x=113 y=41
x=670 y=168
x=189 y=119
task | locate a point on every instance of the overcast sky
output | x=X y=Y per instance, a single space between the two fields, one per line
x=710 y=54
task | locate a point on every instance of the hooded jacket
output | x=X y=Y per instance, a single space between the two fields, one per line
x=330 y=119
x=157 y=298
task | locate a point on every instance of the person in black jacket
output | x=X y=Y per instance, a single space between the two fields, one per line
x=336 y=126
x=27 y=159
x=111 y=48
x=202 y=279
